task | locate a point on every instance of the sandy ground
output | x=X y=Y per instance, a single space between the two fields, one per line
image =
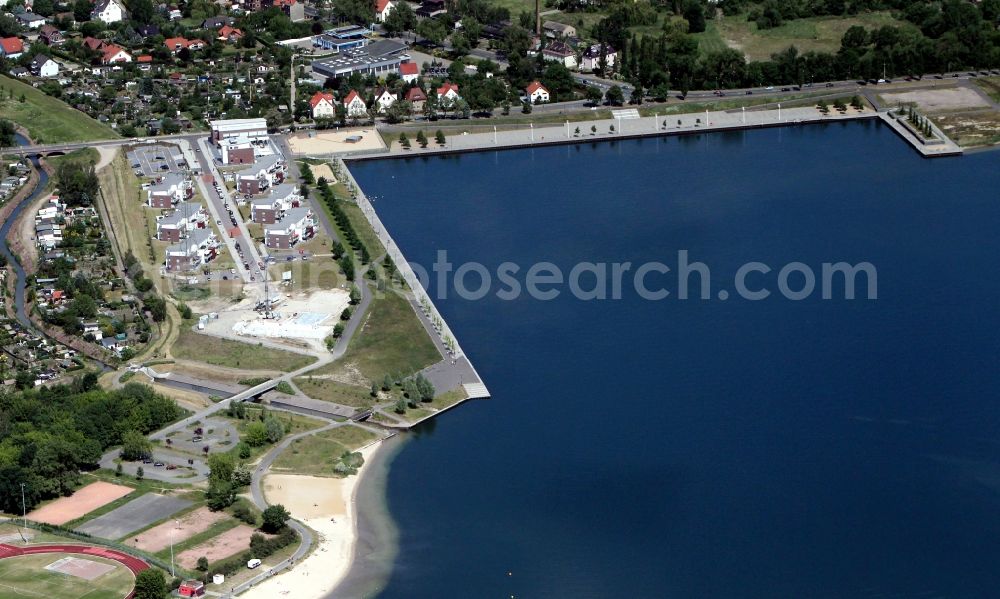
x=228 y=543
x=325 y=505
x=82 y=502
x=331 y=142
x=934 y=100
x=158 y=537
x=106 y=156
x=323 y=170
x=303 y=320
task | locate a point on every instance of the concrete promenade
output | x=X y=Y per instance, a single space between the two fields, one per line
x=629 y=128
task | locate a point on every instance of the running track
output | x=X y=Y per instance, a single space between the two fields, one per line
x=134 y=564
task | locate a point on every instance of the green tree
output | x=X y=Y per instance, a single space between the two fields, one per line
x=135 y=446
x=220 y=495
x=274 y=428
x=150 y=584
x=255 y=434
x=139 y=473
x=615 y=96
x=694 y=13
x=439 y=137
x=221 y=466
x=274 y=518
x=594 y=94
x=432 y=30
x=202 y=564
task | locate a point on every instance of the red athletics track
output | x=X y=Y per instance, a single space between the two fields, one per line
x=134 y=564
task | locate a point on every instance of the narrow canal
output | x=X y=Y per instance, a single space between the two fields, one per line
x=21 y=283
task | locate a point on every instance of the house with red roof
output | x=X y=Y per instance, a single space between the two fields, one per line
x=322 y=105
x=382 y=9
x=230 y=34
x=112 y=54
x=94 y=44
x=536 y=93
x=416 y=97
x=11 y=47
x=448 y=93
x=176 y=44
x=354 y=105
x=409 y=71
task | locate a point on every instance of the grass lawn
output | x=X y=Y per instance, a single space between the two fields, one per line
x=971 y=129
x=317 y=273
x=391 y=340
x=990 y=85
x=330 y=390
x=316 y=454
x=822 y=34
x=26 y=576
x=234 y=354
x=47 y=119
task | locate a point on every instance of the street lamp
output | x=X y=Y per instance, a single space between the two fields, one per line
x=177 y=523
x=532 y=132
x=24 y=509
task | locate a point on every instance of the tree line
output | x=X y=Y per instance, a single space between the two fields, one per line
x=49 y=434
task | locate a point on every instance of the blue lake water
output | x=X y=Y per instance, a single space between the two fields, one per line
x=713 y=448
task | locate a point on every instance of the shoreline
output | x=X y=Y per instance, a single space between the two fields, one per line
x=334 y=553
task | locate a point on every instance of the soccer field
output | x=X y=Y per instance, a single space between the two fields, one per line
x=25 y=577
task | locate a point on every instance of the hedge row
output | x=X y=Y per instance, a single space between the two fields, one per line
x=350 y=235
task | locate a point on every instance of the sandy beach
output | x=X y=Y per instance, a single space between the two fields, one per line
x=327 y=506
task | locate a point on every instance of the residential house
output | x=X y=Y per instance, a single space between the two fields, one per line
x=43 y=66
x=322 y=105
x=354 y=105
x=384 y=99
x=109 y=11
x=186 y=217
x=447 y=94
x=270 y=210
x=297 y=225
x=217 y=22
x=536 y=93
x=556 y=30
x=294 y=10
x=112 y=54
x=176 y=44
x=93 y=328
x=29 y=20
x=591 y=60
x=92 y=43
x=20 y=72
x=230 y=34
x=409 y=71
x=429 y=9
x=416 y=97
x=51 y=36
x=200 y=247
x=169 y=190
x=11 y=47
x=268 y=171
x=382 y=9
x=560 y=52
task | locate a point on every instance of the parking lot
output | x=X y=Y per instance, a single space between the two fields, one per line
x=156 y=160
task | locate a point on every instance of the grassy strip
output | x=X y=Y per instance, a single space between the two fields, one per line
x=235 y=354
x=47 y=119
x=392 y=340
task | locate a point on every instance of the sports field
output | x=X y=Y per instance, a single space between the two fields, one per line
x=67 y=577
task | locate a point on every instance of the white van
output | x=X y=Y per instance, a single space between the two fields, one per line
x=253 y=563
